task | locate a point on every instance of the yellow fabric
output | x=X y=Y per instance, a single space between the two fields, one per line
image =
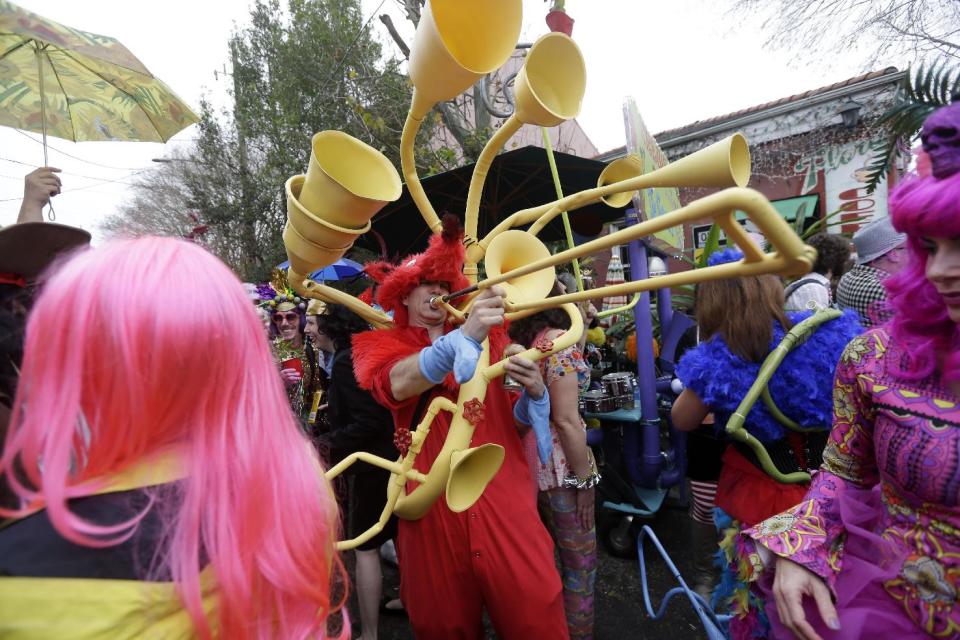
x=91 y=609
x=75 y=609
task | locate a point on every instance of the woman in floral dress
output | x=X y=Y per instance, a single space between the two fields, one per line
x=566 y=479
x=874 y=548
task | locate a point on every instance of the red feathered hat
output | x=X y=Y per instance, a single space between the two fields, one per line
x=441 y=262
x=376 y=271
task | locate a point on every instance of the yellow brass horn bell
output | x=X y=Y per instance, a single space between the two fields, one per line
x=471 y=471
x=457 y=43
x=629 y=166
x=549 y=88
x=348 y=181
x=513 y=249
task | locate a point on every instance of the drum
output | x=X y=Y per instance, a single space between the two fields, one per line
x=625 y=401
x=619 y=384
x=598 y=402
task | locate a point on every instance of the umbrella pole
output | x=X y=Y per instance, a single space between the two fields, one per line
x=51 y=214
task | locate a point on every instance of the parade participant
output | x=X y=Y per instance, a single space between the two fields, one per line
x=287 y=322
x=358 y=423
x=168 y=490
x=741 y=320
x=878 y=529
x=26 y=250
x=566 y=480
x=880 y=253
x=316 y=374
x=496 y=554
x=815 y=290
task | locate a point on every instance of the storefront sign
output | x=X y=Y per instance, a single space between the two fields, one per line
x=845 y=169
x=651 y=203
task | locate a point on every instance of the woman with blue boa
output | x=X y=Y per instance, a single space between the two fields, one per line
x=741 y=321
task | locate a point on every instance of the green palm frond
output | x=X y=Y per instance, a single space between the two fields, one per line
x=927 y=89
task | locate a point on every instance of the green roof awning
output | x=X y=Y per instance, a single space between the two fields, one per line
x=790 y=208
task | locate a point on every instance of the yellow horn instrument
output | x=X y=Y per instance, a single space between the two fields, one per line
x=548 y=90
x=346 y=183
x=458 y=470
x=456 y=43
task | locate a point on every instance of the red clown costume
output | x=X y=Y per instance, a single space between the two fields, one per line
x=497 y=554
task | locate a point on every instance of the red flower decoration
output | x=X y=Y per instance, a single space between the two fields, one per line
x=402 y=438
x=543 y=345
x=473 y=411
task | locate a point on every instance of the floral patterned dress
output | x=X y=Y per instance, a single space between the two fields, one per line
x=880 y=523
x=567 y=362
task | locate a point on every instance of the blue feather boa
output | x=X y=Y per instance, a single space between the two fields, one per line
x=802 y=386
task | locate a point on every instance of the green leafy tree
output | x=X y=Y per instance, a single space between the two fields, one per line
x=296 y=70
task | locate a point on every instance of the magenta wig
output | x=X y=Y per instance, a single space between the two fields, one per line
x=163 y=351
x=924 y=207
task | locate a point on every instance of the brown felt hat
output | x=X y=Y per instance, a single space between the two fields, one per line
x=26 y=249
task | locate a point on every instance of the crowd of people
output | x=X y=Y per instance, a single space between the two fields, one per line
x=162 y=466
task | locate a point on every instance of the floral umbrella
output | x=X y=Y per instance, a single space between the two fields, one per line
x=79 y=86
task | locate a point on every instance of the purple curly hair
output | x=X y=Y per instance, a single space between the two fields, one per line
x=924 y=207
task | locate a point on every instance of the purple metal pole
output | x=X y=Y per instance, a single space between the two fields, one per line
x=642 y=450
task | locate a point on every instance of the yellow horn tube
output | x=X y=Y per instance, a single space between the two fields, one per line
x=457 y=42
x=548 y=90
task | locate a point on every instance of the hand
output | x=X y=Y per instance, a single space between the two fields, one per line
x=291 y=377
x=791 y=583
x=526 y=373
x=487 y=311
x=585 y=504
x=40 y=185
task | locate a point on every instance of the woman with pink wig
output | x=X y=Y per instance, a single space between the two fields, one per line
x=165 y=488
x=873 y=551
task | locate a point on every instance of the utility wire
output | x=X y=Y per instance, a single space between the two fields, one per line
x=134 y=171
x=69 y=155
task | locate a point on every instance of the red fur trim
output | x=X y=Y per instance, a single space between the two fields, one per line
x=373 y=350
x=367 y=296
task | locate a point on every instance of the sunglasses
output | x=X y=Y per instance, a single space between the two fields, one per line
x=286 y=317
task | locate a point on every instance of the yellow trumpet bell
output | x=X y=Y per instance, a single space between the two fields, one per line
x=629 y=166
x=513 y=249
x=457 y=42
x=550 y=86
x=348 y=181
x=471 y=471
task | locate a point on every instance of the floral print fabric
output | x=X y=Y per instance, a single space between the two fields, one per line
x=899 y=439
x=567 y=362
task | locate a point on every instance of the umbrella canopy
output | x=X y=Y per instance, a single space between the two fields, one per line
x=342 y=268
x=517 y=180
x=80 y=86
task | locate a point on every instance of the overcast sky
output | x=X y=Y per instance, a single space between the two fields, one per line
x=682 y=60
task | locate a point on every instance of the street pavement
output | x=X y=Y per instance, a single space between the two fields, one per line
x=620 y=612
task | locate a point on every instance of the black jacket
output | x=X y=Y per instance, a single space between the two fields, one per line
x=357 y=422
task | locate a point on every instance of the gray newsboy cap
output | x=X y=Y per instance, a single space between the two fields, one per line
x=876 y=239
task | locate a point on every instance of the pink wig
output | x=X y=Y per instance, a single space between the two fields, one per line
x=924 y=207
x=154 y=344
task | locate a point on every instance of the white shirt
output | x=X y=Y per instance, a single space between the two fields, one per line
x=811 y=295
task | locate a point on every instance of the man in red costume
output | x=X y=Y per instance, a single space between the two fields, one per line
x=497 y=554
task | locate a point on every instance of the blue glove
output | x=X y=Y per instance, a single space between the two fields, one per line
x=536 y=414
x=450 y=352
